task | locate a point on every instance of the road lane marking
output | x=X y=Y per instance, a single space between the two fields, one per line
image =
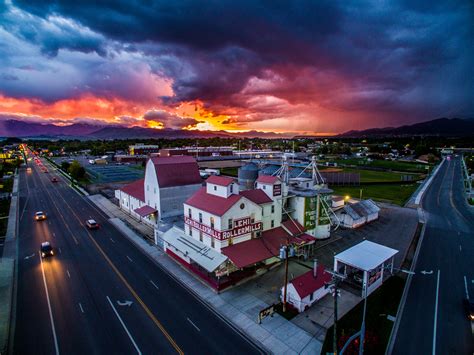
x=75 y=240
x=113 y=241
x=460 y=247
x=124 y=326
x=80 y=306
x=121 y=277
x=54 y=234
x=436 y=315
x=194 y=325
x=154 y=284
x=68 y=274
x=60 y=251
x=129 y=258
x=465 y=287
x=49 y=308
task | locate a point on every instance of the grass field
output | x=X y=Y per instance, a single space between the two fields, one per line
x=393 y=193
x=380 y=176
x=230 y=171
x=386 y=164
x=384 y=301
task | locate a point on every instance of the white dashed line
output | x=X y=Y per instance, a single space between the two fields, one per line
x=154 y=284
x=129 y=258
x=80 y=306
x=194 y=325
x=113 y=241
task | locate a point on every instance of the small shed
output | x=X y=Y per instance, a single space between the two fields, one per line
x=364 y=264
x=307 y=288
x=354 y=215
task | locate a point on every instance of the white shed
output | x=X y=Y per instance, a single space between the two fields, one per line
x=354 y=215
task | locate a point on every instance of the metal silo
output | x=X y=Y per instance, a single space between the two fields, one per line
x=248 y=174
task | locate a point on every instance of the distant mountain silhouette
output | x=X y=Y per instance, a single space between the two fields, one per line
x=447 y=127
x=23 y=129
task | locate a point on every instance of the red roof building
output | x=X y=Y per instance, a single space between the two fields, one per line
x=135 y=189
x=219 y=180
x=257 y=196
x=176 y=171
x=268 y=179
x=213 y=204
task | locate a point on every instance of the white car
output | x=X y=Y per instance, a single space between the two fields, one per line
x=40 y=216
x=92 y=224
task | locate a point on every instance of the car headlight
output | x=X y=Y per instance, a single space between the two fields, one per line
x=42 y=254
x=52 y=252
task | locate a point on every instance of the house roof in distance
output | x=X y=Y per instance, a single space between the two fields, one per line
x=267 y=179
x=176 y=171
x=220 y=180
x=135 y=189
x=306 y=283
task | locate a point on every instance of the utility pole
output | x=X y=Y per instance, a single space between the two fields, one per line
x=336 y=278
x=286 y=278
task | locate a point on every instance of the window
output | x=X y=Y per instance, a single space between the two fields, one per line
x=264 y=187
x=200 y=217
x=189 y=213
x=213 y=244
x=273 y=208
x=272 y=223
x=242 y=206
x=200 y=236
x=190 y=232
x=212 y=222
x=311 y=296
x=231 y=188
x=154 y=190
x=215 y=188
x=148 y=187
x=230 y=223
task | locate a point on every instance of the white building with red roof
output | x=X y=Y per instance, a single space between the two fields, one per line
x=307 y=288
x=160 y=195
x=244 y=227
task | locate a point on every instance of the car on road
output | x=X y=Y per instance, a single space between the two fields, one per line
x=469 y=304
x=92 y=224
x=46 y=249
x=40 y=216
x=54 y=179
x=28 y=170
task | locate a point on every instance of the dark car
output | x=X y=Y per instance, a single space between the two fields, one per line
x=46 y=249
x=54 y=179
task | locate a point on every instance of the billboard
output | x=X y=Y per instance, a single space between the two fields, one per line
x=310 y=213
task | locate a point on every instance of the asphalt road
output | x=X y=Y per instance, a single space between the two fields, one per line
x=434 y=320
x=77 y=300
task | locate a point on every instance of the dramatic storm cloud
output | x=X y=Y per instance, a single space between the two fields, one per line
x=303 y=66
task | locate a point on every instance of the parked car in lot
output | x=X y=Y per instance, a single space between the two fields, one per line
x=40 y=216
x=46 y=249
x=92 y=224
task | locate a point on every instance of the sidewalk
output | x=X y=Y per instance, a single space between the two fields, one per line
x=7 y=273
x=239 y=308
x=113 y=211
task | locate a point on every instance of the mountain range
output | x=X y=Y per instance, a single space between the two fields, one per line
x=445 y=127
x=454 y=127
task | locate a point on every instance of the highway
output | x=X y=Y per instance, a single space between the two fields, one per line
x=434 y=320
x=99 y=294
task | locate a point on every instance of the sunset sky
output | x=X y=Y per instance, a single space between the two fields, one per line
x=282 y=66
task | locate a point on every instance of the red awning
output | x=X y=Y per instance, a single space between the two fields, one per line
x=145 y=211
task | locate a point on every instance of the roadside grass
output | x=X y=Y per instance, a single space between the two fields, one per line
x=230 y=171
x=384 y=301
x=380 y=176
x=393 y=193
x=386 y=164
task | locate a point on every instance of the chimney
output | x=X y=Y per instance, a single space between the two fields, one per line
x=315 y=268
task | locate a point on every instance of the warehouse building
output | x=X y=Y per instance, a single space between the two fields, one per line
x=143 y=149
x=245 y=228
x=354 y=215
x=160 y=195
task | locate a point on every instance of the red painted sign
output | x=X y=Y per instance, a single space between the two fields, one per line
x=241 y=227
x=277 y=190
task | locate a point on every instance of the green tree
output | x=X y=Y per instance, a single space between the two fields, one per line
x=76 y=170
x=65 y=165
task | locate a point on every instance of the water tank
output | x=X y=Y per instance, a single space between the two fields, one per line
x=248 y=174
